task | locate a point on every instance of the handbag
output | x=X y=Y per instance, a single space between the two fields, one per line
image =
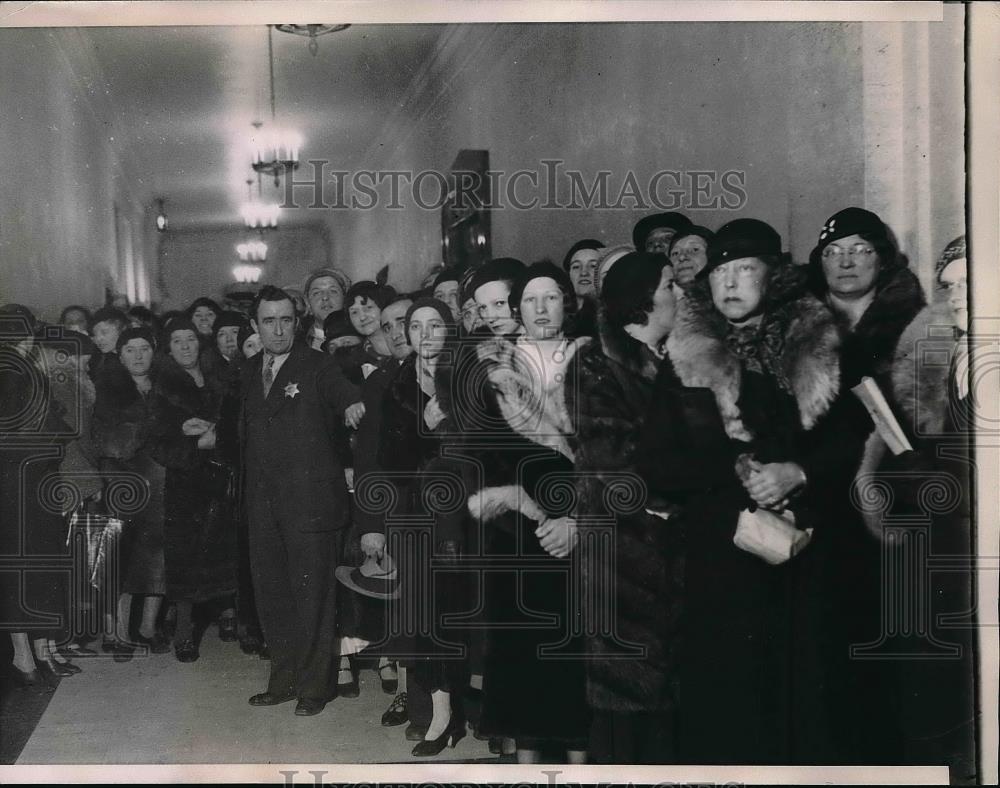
x=770 y=536
x=99 y=533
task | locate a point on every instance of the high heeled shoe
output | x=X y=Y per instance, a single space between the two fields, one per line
x=390 y=684
x=73 y=669
x=227 y=629
x=431 y=747
x=30 y=679
x=51 y=670
x=348 y=689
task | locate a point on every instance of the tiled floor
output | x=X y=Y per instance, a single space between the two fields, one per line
x=157 y=710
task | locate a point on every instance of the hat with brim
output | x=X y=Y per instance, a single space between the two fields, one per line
x=373 y=578
x=671 y=220
x=849 y=221
x=739 y=239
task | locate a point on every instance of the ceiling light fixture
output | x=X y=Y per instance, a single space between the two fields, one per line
x=275 y=150
x=252 y=252
x=258 y=215
x=313 y=32
x=247 y=274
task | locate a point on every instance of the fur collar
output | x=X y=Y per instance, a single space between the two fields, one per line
x=701 y=358
x=921 y=389
x=622 y=349
x=895 y=305
x=538 y=414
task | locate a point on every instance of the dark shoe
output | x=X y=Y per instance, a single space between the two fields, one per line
x=31 y=680
x=349 y=689
x=186 y=651
x=270 y=699
x=396 y=714
x=122 y=652
x=389 y=685
x=251 y=644
x=452 y=736
x=73 y=669
x=227 y=629
x=108 y=645
x=495 y=745
x=76 y=650
x=157 y=644
x=415 y=732
x=307 y=707
x=51 y=670
x=265 y=652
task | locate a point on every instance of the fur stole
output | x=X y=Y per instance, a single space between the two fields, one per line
x=810 y=358
x=919 y=385
x=531 y=407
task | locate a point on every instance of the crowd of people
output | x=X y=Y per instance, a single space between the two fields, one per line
x=604 y=511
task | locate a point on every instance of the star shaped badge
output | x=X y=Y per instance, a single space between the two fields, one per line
x=291 y=390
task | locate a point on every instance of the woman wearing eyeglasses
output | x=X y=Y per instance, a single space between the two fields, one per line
x=934 y=384
x=856 y=269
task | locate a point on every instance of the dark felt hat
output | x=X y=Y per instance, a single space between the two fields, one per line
x=338 y=324
x=741 y=238
x=646 y=225
x=850 y=221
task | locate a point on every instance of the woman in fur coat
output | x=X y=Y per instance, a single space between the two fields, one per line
x=931 y=384
x=124 y=433
x=533 y=678
x=200 y=515
x=757 y=425
x=857 y=272
x=631 y=671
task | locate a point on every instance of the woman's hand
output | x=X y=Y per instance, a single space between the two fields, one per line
x=196 y=426
x=770 y=485
x=207 y=439
x=558 y=537
x=354 y=414
x=433 y=415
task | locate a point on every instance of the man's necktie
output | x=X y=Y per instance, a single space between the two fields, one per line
x=268 y=373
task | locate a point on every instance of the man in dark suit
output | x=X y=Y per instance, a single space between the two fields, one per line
x=297 y=502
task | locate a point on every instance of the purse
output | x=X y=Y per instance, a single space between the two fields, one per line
x=770 y=536
x=100 y=534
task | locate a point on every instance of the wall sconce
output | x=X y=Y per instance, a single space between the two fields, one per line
x=161 y=217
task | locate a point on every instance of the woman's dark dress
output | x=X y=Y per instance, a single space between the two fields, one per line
x=200 y=516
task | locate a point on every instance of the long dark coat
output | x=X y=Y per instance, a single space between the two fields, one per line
x=128 y=431
x=32 y=532
x=933 y=487
x=754 y=651
x=631 y=664
x=200 y=515
x=866 y=691
x=431 y=490
x=534 y=684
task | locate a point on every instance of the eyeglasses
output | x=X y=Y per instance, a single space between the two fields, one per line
x=858 y=252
